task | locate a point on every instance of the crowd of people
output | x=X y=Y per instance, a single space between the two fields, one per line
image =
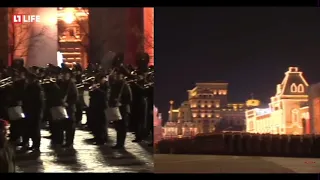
x=121 y=95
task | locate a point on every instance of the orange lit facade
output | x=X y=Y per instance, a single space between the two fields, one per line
x=157 y=123
x=207 y=110
x=73 y=32
x=180 y=122
x=288 y=111
x=211 y=109
x=139 y=33
x=148 y=24
x=314 y=104
x=134 y=33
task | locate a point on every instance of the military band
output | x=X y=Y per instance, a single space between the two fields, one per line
x=121 y=96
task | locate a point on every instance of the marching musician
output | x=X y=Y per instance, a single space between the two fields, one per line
x=3 y=95
x=98 y=100
x=14 y=99
x=33 y=107
x=149 y=94
x=79 y=104
x=54 y=98
x=120 y=96
x=70 y=94
x=140 y=101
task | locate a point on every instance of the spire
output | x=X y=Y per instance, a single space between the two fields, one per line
x=171 y=110
x=251 y=96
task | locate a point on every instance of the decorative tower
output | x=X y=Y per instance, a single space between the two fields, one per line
x=170 y=128
x=73 y=34
x=171 y=111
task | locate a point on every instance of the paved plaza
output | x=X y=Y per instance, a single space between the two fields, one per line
x=233 y=164
x=87 y=157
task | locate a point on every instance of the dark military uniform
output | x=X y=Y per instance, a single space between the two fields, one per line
x=139 y=111
x=33 y=106
x=14 y=98
x=54 y=97
x=70 y=93
x=99 y=122
x=120 y=87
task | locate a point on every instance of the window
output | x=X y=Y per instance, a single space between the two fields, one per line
x=294 y=115
x=293 y=88
x=300 y=88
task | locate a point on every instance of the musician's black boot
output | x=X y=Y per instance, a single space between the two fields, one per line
x=34 y=149
x=117 y=147
x=68 y=146
x=137 y=140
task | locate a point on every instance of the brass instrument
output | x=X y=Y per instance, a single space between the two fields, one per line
x=85 y=82
x=94 y=86
x=6 y=84
x=5 y=80
x=48 y=81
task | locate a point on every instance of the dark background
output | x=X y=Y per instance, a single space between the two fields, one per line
x=250 y=48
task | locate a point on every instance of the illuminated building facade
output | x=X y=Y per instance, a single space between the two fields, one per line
x=157 y=125
x=79 y=36
x=288 y=112
x=211 y=110
x=180 y=122
x=207 y=110
x=73 y=34
x=128 y=30
x=314 y=104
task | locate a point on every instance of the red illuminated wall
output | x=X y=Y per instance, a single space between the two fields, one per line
x=141 y=20
x=134 y=20
x=148 y=22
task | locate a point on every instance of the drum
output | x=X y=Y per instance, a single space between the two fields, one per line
x=113 y=114
x=59 y=113
x=15 y=113
x=86 y=98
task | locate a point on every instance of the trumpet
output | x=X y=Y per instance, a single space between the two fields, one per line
x=6 y=79
x=6 y=84
x=92 y=78
x=94 y=86
x=48 y=81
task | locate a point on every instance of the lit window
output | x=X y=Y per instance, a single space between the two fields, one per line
x=209 y=115
x=300 y=88
x=203 y=115
x=194 y=114
x=293 y=87
x=209 y=105
x=295 y=115
x=215 y=92
x=202 y=105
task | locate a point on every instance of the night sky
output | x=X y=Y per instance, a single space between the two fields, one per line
x=250 y=48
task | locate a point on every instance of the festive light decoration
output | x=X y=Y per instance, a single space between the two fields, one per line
x=285 y=114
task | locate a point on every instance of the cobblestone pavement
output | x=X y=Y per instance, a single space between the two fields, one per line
x=87 y=157
x=233 y=164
